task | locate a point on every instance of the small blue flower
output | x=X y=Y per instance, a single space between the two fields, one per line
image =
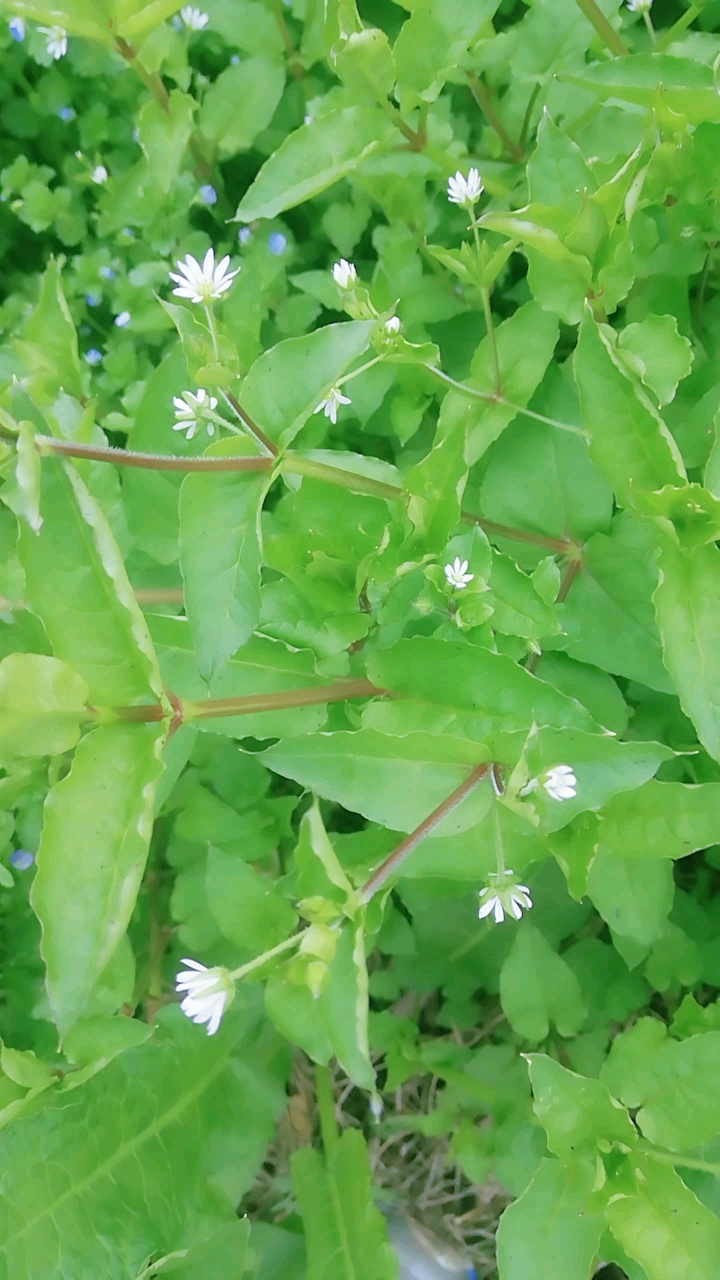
x=21 y=859
x=208 y=194
x=107 y=273
x=277 y=243
x=16 y=27
x=122 y=320
x=93 y=299
x=66 y=114
x=234 y=61
x=93 y=356
x=244 y=234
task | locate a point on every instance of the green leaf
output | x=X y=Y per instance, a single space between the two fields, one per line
x=557 y=171
x=661 y=820
x=525 y=344
x=364 y=61
x=42 y=705
x=247 y=906
x=220 y=558
x=518 y=609
x=151 y=497
x=91 y=616
x=343 y=1006
x=80 y=17
x=629 y=442
x=287 y=383
x=179 y=1127
x=433 y=490
x=558 y=278
x=312 y=159
x=686 y=85
x=345 y=1233
x=49 y=347
x=396 y=781
x=552 y=1232
x=432 y=42
x=673 y=1085
x=659 y=355
x=663 y=1226
x=633 y=897
x=164 y=136
x=474 y=679
x=318 y=864
x=28 y=476
x=537 y=987
x=241 y=103
x=687 y=603
x=295 y=1011
x=576 y=1113
x=96 y=831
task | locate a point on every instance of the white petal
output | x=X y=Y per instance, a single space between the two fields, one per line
x=216 y=1015
x=515 y=907
x=208 y=265
x=194 y=964
x=486 y=907
x=499 y=913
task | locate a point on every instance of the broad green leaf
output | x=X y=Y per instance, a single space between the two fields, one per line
x=396 y=781
x=518 y=610
x=537 y=987
x=343 y=1006
x=241 y=103
x=96 y=831
x=91 y=616
x=80 y=17
x=295 y=1011
x=432 y=42
x=686 y=85
x=673 y=1085
x=364 y=61
x=262 y=666
x=287 y=383
x=663 y=1226
x=28 y=476
x=575 y=1112
x=687 y=603
x=42 y=705
x=317 y=858
x=659 y=355
x=151 y=497
x=132 y=17
x=49 y=346
x=557 y=171
x=345 y=1233
x=313 y=158
x=559 y=279
x=220 y=558
x=474 y=679
x=661 y=820
x=525 y=344
x=633 y=897
x=433 y=490
x=179 y=1128
x=247 y=906
x=552 y=1232
x=164 y=136
x=629 y=442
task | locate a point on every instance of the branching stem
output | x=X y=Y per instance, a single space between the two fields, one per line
x=484 y=101
x=607 y=33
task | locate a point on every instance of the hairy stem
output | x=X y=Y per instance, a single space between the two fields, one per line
x=485 y=294
x=248 y=422
x=489 y=397
x=395 y=859
x=484 y=101
x=149 y=461
x=255 y=702
x=595 y=16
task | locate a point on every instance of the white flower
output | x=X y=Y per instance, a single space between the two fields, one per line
x=99 y=174
x=393 y=325
x=457 y=574
x=639 y=6
x=560 y=782
x=465 y=190
x=209 y=992
x=201 y=283
x=123 y=320
x=504 y=897
x=344 y=274
x=193 y=18
x=330 y=405
x=56 y=43
x=190 y=412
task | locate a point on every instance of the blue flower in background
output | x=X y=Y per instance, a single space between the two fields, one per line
x=93 y=299
x=16 y=27
x=21 y=859
x=93 y=356
x=208 y=194
x=107 y=273
x=66 y=114
x=244 y=234
x=277 y=243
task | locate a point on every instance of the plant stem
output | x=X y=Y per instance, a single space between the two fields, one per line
x=252 y=426
x=393 y=114
x=685 y=1162
x=498 y=789
x=484 y=101
x=150 y=461
x=595 y=16
x=259 y=961
x=295 y=464
x=326 y=1109
x=152 y=82
x=207 y=307
x=398 y=855
x=489 y=397
x=485 y=295
x=159 y=595
x=650 y=27
x=280 y=701
x=666 y=37
x=528 y=117
x=355 y=372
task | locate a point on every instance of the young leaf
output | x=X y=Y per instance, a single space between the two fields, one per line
x=92 y=857
x=552 y=1231
x=91 y=616
x=432 y=42
x=687 y=603
x=220 y=558
x=42 y=705
x=240 y=103
x=575 y=1112
x=49 y=346
x=345 y=1233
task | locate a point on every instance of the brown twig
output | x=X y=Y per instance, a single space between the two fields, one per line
x=188 y=710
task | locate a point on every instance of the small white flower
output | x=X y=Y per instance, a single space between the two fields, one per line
x=465 y=191
x=560 y=782
x=504 y=897
x=99 y=174
x=123 y=320
x=201 y=283
x=639 y=6
x=393 y=325
x=344 y=274
x=190 y=412
x=457 y=574
x=56 y=43
x=193 y=18
x=209 y=992
x=330 y=405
